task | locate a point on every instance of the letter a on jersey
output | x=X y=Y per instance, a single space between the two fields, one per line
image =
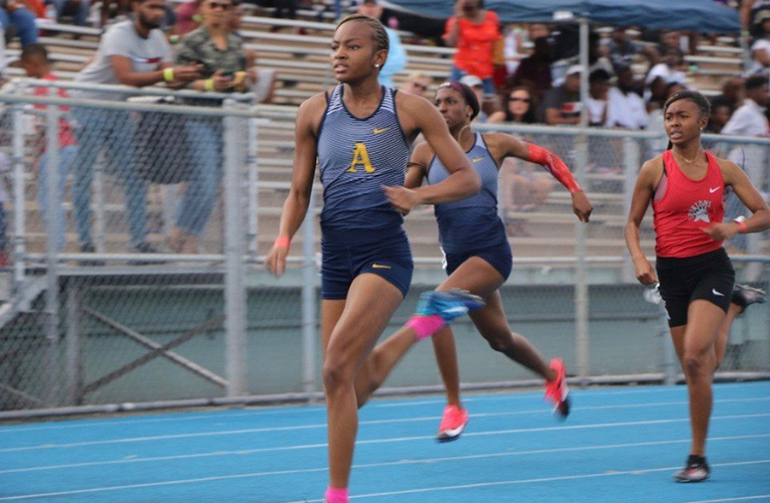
x=361 y=156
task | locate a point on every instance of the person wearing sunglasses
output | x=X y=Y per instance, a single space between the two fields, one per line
x=220 y=55
x=519 y=107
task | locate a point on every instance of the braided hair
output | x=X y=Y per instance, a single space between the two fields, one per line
x=379 y=35
x=701 y=101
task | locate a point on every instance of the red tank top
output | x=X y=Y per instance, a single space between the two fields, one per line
x=683 y=207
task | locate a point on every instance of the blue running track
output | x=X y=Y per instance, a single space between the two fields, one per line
x=619 y=445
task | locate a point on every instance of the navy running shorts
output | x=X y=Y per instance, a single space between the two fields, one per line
x=709 y=276
x=346 y=256
x=499 y=257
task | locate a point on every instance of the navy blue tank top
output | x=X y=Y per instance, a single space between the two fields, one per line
x=356 y=157
x=471 y=223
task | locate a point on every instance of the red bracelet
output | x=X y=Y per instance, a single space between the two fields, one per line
x=282 y=242
x=742 y=227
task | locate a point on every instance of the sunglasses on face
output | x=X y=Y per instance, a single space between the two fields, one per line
x=525 y=100
x=217 y=5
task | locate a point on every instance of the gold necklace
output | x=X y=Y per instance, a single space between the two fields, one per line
x=688 y=161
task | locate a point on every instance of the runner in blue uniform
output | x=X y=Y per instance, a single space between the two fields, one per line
x=478 y=256
x=360 y=133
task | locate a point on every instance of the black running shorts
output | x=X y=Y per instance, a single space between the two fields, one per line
x=709 y=276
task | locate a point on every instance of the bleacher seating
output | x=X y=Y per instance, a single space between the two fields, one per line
x=302 y=69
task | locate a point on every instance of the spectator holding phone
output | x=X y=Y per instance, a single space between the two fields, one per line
x=222 y=62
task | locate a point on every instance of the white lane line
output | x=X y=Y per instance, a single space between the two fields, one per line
x=498 y=414
x=401 y=462
x=373 y=495
x=193 y=416
x=529 y=481
x=362 y=442
x=739 y=498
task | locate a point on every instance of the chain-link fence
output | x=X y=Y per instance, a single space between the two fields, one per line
x=135 y=275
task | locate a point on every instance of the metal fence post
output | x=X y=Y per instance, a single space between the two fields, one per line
x=252 y=161
x=582 y=344
x=74 y=350
x=20 y=234
x=53 y=206
x=309 y=300
x=235 y=297
x=99 y=218
x=631 y=165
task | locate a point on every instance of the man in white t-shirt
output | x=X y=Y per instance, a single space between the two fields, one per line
x=625 y=108
x=132 y=53
x=750 y=119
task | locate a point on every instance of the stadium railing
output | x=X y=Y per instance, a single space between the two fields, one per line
x=116 y=330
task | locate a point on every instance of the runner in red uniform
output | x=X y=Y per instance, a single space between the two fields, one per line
x=686 y=186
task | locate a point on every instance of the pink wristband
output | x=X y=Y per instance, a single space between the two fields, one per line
x=282 y=242
x=743 y=228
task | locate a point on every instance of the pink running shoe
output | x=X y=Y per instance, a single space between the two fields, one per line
x=557 y=391
x=452 y=424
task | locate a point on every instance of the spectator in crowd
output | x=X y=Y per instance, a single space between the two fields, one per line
x=13 y=14
x=599 y=85
x=474 y=31
x=621 y=50
x=513 y=48
x=669 y=41
x=670 y=67
x=262 y=79
x=417 y=83
x=562 y=104
x=751 y=12
x=133 y=53
x=78 y=9
x=121 y=8
x=36 y=7
x=397 y=59
x=487 y=102
x=656 y=93
x=625 y=108
x=34 y=60
x=188 y=17
x=720 y=115
x=760 y=49
x=284 y=9
x=534 y=71
x=749 y=119
x=732 y=94
x=222 y=57
x=518 y=108
x=522 y=187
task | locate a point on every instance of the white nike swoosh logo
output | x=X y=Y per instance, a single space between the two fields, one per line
x=717 y=293
x=456 y=310
x=713 y=190
x=452 y=433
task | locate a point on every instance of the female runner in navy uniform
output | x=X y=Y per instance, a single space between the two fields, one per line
x=686 y=185
x=478 y=256
x=361 y=135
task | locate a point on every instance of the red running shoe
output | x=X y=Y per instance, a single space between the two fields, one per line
x=557 y=391
x=452 y=424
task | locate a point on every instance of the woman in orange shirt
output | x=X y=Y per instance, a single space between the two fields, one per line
x=474 y=31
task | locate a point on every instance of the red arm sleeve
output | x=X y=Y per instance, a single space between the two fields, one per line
x=554 y=165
